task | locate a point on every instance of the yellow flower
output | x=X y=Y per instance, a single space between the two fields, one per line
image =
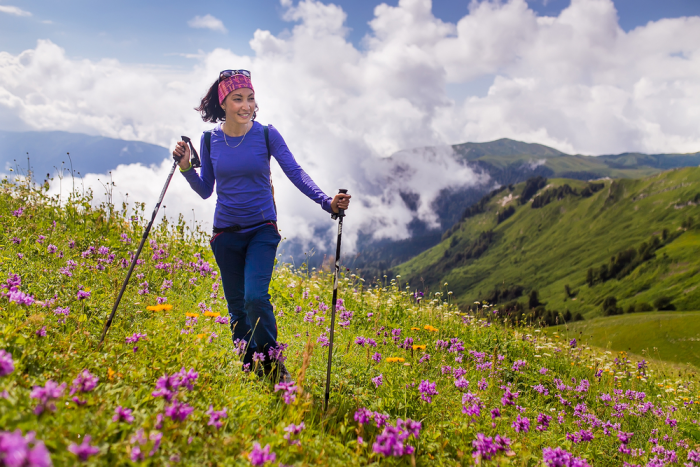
x=430 y=328
x=395 y=359
x=419 y=347
x=192 y=315
x=110 y=373
x=199 y=336
x=159 y=308
x=211 y=314
x=415 y=329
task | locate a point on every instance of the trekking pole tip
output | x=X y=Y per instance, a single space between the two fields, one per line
x=343 y=191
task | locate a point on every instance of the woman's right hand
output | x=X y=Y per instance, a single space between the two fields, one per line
x=182 y=155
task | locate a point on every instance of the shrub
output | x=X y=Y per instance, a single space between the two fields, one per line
x=664 y=304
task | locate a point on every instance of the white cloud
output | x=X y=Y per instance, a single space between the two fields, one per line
x=13 y=10
x=207 y=22
x=576 y=82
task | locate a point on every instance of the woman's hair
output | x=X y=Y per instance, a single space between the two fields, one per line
x=210 y=108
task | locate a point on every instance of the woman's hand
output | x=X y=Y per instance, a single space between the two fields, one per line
x=340 y=201
x=182 y=155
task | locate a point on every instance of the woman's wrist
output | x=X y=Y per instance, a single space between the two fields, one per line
x=189 y=166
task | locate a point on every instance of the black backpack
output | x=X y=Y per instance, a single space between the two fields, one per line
x=207 y=143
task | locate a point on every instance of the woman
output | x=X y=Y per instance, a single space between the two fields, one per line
x=245 y=230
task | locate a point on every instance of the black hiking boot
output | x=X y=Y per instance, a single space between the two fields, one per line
x=278 y=373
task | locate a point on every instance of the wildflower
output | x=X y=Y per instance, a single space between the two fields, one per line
x=82 y=294
x=7 y=365
x=192 y=315
x=178 y=411
x=521 y=424
x=166 y=284
x=509 y=397
x=215 y=416
x=15 y=450
x=429 y=328
x=161 y=300
x=259 y=457
x=85 y=382
x=293 y=430
x=427 y=390
x=289 y=391
x=395 y=359
x=41 y=239
x=558 y=457
x=377 y=357
x=518 y=365
x=424 y=358
x=486 y=447
x=41 y=332
x=221 y=319
x=378 y=381
x=543 y=422
x=134 y=338
x=482 y=384
x=323 y=340
x=418 y=347
x=83 y=450
x=52 y=249
x=391 y=442
x=211 y=314
x=122 y=415
x=461 y=383
x=18 y=212
x=572 y=343
x=541 y=389
x=47 y=395
x=495 y=413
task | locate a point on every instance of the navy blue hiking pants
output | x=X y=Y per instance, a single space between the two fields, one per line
x=246 y=261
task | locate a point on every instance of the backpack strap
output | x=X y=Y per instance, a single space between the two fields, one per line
x=266 y=130
x=207 y=141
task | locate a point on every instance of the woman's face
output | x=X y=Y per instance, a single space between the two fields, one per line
x=239 y=105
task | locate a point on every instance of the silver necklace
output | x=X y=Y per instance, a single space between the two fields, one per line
x=225 y=141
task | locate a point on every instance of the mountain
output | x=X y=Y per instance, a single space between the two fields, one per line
x=504 y=162
x=47 y=150
x=588 y=248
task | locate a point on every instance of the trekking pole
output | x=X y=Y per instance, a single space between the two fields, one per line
x=339 y=216
x=195 y=163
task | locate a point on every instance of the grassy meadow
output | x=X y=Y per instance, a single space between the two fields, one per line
x=415 y=381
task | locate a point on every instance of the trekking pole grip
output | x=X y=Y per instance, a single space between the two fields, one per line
x=341 y=212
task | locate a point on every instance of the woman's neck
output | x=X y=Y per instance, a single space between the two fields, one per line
x=236 y=129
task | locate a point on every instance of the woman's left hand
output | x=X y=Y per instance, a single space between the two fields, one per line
x=341 y=201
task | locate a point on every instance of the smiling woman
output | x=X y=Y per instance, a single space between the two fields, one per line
x=236 y=157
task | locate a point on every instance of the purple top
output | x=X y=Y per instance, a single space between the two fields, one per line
x=242 y=176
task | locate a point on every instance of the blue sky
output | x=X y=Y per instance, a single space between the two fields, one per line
x=157 y=32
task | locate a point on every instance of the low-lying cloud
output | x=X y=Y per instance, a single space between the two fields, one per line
x=576 y=82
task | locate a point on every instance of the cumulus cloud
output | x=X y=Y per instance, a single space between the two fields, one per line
x=207 y=22
x=576 y=82
x=13 y=10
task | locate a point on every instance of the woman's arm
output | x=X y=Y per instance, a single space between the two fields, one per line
x=294 y=172
x=204 y=185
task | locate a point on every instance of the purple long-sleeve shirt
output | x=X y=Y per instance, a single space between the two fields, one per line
x=242 y=176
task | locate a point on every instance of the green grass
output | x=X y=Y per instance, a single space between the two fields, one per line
x=669 y=336
x=53 y=250
x=547 y=248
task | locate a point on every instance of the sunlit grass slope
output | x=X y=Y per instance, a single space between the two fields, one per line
x=550 y=247
x=669 y=336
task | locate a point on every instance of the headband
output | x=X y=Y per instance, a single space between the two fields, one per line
x=231 y=84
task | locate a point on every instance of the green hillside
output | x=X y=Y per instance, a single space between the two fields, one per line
x=553 y=246
x=667 y=335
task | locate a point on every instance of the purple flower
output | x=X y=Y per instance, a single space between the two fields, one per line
x=18 y=212
x=258 y=357
x=461 y=383
x=543 y=422
x=518 y=365
x=122 y=415
x=521 y=424
x=161 y=300
x=541 y=389
x=558 y=457
x=52 y=248
x=178 y=411
x=391 y=442
x=482 y=384
x=83 y=450
x=15 y=450
x=361 y=341
x=377 y=357
x=288 y=391
x=215 y=416
x=378 y=381
x=486 y=447
x=427 y=390
x=572 y=343
x=509 y=397
x=259 y=457
x=41 y=332
x=221 y=319
x=85 y=382
x=7 y=365
x=495 y=413
x=293 y=430
x=135 y=338
x=624 y=437
x=47 y=395
x=82 y=294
